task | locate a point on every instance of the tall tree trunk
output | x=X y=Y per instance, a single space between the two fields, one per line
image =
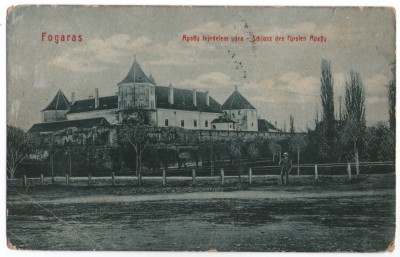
x=280 y=156
x=137 y=163
x=298 y=162
x=70 y=163
x=240 y=171
x=52 y=163
x=197 y=161
x=140 y=169
x=356 y=158
x=211 y=159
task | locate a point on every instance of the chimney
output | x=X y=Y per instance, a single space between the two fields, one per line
x=194 y=97
x=72 y=98
x=96 y=98
x=171 y=94
x=207 y=98
x=236 y=88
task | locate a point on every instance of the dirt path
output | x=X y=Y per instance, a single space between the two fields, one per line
x=243 y=195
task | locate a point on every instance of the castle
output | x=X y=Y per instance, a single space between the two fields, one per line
x=169 y=106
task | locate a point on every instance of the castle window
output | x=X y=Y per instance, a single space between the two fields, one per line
x=230 y=125
x=195 y=123
x=206 y=124
x=239 y=112
x=252 y=124
x=182 y=123
x=152 y=105
x=141 y=90
x=213 y=127
x=166 y=122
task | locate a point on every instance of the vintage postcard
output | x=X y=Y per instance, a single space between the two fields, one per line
x=229 y=129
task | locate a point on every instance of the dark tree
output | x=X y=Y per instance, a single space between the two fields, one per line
x=136 y=131
x=355 y=99
x=355 y=113
x=297 y=143
x=327 y=99
x=19 y=146
x=291 y=119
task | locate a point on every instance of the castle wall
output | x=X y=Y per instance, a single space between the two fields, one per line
x=175 y=118
x=223 y=126
x=110 y=115
x=246 y=119
x=53 y=115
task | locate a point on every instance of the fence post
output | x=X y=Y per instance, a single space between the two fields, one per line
x=24 y=181
x=52 y=179
x=316 y=172
x=164 y=179
x=222 y=177
x=67 y=179
x=113 y=179
x=41 y=180
x=193 y=177
x=349 y=171
x=250 y=176
x=89 y=179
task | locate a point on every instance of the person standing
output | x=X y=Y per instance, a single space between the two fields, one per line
x=286 y=166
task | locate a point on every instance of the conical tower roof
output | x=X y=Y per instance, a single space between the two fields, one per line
x=135 y=75
x=236 y=102
x=59 y=102
x=151 y=78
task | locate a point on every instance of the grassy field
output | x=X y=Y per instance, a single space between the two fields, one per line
x=331 y=215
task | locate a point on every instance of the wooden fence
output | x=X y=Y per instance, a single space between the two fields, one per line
x=343 y=169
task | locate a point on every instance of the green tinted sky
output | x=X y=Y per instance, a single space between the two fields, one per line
x=279 y=79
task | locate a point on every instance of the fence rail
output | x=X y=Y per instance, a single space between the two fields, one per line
x=113 y=179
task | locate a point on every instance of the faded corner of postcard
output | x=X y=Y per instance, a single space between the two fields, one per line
x=246 y=129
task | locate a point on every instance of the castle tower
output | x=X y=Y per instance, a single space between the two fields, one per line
x=136 y=89
x=238 y=109
x=57 y=108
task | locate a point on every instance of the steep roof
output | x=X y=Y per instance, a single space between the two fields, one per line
x=151 y=78
x=265 y=126
x=135 y=75
x=87 y=105
x=59 y=102
x=59 y=125
x=237 y=102
x=223 y=120
x=183 y=100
